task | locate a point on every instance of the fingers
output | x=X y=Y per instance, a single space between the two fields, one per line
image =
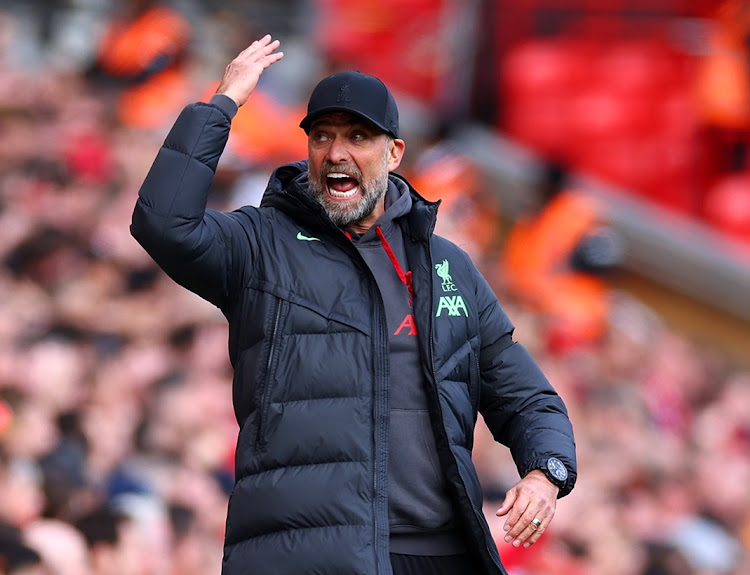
x=242 y=74
x=510 y=498
x=528 y=529
x=258 y=44
x=532 y=507
x=516 y=522
x=262 y=48
x=261 y=51
x=537 y=526
x=529 y=524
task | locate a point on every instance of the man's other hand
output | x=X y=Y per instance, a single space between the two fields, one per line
x=530 y=505
x=242 y=74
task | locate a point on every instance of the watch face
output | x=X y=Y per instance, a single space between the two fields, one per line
x=557 y=469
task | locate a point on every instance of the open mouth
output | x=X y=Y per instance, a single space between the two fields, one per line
x=341 y=186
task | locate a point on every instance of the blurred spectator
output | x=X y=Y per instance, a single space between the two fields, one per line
x=555 y=259
x=723 y=88
x=145 y=51
x=190 y=554
x=17 y=558
x=723 y=99
x=664 y=559
x=470 y=215
x=61 y=546
x=21 y=485
x=111 y=540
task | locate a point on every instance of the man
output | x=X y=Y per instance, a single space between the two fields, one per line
x=362 y=344
x=111 y=538
x=16 y=557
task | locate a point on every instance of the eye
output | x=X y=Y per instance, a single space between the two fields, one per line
x=318 y=136
x=358 y=136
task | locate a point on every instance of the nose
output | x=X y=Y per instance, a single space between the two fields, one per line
x=338 y=151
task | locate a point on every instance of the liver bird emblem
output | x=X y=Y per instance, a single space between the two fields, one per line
x=443 y=271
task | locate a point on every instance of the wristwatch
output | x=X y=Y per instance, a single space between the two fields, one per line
x=554 y=470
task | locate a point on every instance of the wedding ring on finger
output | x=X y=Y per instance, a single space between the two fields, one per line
x=536 y=523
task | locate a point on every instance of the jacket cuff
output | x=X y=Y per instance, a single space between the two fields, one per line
x=225 y=104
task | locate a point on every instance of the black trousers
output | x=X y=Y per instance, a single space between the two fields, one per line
x=433 y=565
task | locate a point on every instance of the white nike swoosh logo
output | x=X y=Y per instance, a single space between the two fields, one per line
x=306 y=238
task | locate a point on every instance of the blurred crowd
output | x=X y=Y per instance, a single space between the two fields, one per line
x=116 y=424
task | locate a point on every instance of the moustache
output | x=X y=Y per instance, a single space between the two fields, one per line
x=351 y=171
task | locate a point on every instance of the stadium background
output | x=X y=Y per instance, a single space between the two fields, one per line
x=592 y=155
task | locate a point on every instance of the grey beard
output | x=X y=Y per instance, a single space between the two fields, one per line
x=342 y=215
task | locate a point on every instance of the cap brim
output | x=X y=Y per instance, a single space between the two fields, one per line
x=308 y=120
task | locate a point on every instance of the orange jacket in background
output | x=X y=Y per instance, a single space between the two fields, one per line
x=148 y=51
x=265 y=130
x=538 y=271
x=130 y=47
x=723 y=86
x=467 y=217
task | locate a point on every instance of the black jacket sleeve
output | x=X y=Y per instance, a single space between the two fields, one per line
x=519 y=405
x=195 y=246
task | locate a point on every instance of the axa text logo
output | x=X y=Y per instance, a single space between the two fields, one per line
x=454 y=304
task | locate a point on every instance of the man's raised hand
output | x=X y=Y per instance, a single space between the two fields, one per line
x=242 y=74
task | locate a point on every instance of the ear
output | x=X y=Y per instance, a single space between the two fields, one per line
x=396 y=149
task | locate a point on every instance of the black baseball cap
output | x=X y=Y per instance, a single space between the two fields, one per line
x=357 y=93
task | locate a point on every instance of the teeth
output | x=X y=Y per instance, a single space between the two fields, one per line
x=348 y=194
x=338 y=175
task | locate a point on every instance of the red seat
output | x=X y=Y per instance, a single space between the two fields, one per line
x=537 y=80
x=727 y=206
